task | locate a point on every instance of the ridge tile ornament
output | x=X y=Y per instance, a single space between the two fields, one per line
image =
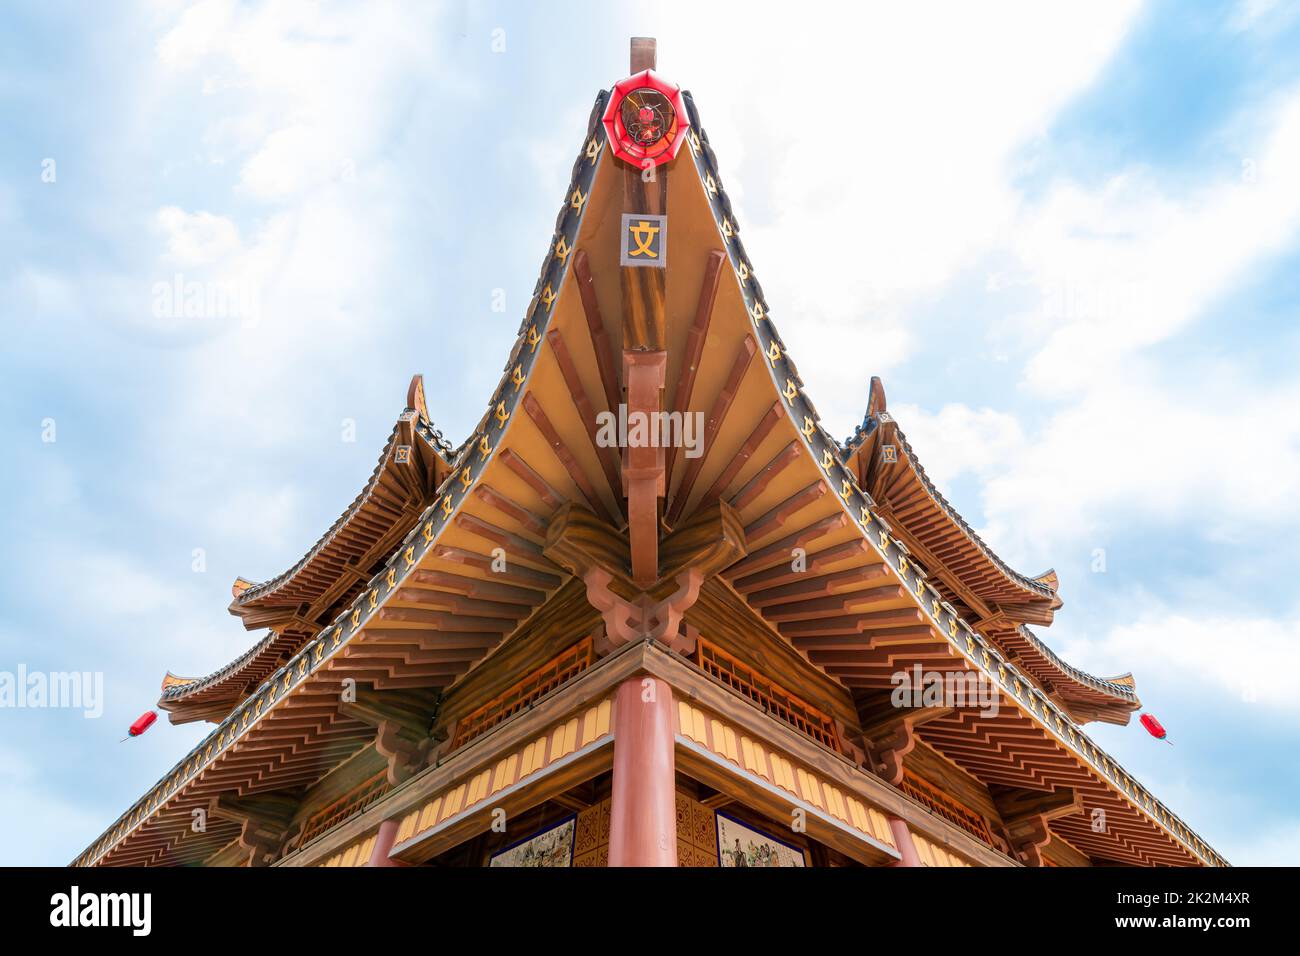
x=646 y=120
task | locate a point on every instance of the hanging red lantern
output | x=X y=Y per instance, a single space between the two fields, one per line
x=142 y=723
x=1154 y=727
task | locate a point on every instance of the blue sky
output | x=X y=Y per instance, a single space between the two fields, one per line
x=1068 y=241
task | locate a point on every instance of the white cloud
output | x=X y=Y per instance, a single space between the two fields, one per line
x=198 y=238
x=290 y=159
x=1279 y=845
x=1191 y=652
x=164 y=601
x=1131 y=263
x=1123 y=441
x=961 y=440
x=266 y=519
x=1133 y=454
x=117 y=586
x=196 y=33
x=886 y=155
x=310 y=99
x=308 y=92
x=52 y=826
x=1261 y=15
x=42 y=292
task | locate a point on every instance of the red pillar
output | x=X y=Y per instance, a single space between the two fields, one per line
x=384 y=845
x=903 y=841
x=643 y=804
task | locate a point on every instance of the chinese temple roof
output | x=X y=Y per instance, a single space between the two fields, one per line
x=421 y=610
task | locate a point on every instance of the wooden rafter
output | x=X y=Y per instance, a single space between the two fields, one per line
x=742 y=455
x=726 y=395
x=586 y=412
x=600 y=344
x=561 y=451
x=696 y=336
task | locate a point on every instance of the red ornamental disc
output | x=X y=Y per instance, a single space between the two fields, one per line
x=646 y=119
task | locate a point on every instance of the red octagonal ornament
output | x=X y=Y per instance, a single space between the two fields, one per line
x=646 y=119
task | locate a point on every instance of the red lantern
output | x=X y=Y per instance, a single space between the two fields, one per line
x=646 y=119
x=1154 y=727
x=142 y=723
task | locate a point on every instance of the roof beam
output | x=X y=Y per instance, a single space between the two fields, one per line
x=695 y=339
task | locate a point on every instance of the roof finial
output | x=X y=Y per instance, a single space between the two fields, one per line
x=643 y=55
x=415 y=396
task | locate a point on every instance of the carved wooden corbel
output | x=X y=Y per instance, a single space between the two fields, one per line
x=401 y=719
x=1028 y=837
x=889 y=733
x=623 y=618
x=889 y=748
x=626 y=621
x=590 y=549
x=1026 y=814
x=667 y=614
x=852 y=744
x=265 y=821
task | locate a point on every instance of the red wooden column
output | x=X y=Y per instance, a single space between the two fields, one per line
x=903 y=840
x=643 y=804
x=384 y=845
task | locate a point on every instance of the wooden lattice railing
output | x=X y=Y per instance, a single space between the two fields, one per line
x=350 y=804
x=938 y=802
x=525 y=693
x=770 y=696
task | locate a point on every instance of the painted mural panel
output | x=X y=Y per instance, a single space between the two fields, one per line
x=549 y=848
x=742 y=845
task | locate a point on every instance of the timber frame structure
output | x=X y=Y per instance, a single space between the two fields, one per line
x=645 y=645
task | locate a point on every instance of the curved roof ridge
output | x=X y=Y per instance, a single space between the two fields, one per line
x=1039 y=584
x=1124 y=687
x=179 y=689
x=245 y=593
x=1045 y=584
x=424 y=429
